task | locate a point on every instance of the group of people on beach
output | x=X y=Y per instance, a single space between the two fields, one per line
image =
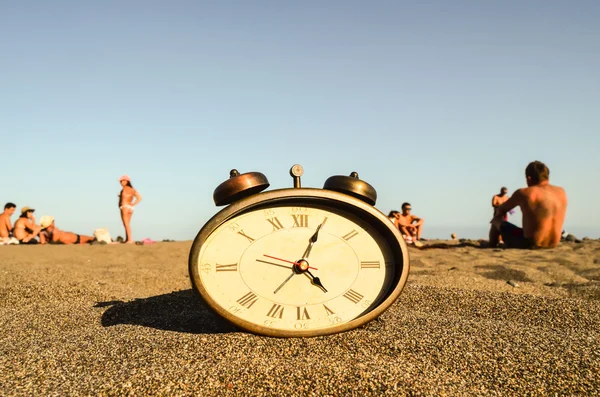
x=26 y=230
x=542 y=205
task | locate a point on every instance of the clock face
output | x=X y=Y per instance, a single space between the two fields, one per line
x=296 y=269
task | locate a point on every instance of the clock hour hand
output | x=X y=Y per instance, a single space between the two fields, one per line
x=312 y=242
x=315 y=280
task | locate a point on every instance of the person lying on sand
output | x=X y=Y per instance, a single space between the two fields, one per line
x=543 y=206
x=25 y=229
x=51 y=234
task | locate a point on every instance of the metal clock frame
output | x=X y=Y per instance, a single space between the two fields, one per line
x=323 y=198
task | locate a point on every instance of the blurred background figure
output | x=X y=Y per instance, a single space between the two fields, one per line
x=128 y=198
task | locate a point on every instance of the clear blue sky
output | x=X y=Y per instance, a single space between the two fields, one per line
x=439 y=103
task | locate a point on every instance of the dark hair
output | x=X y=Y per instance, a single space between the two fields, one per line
x=129 y=184
x=537 y=172
x=393 y=213
x=404 y=205
x=9 y=206
x=24 y=214
x=503 y=188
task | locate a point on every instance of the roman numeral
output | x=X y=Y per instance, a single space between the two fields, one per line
x=302 y=314
x=353 y=296
x=328 y=310
x=227 y=268
x=350 y=235
x=369 y=265
x=248 y=300
x=300 y=220
x=276 y=224
x=241 y=232
x=276 y=311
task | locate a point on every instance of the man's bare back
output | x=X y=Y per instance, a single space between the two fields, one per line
x=543 y=206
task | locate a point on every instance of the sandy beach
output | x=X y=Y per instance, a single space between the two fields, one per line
x=123 y=320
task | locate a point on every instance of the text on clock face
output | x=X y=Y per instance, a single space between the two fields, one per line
x=347 y=269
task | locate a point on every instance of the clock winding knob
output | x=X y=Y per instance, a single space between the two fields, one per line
x=296 y=172
x=239 y=186
x=352 y=186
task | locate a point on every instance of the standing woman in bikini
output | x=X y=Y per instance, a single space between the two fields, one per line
x=126 y=204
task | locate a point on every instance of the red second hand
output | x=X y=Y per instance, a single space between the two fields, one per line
x=283 y=260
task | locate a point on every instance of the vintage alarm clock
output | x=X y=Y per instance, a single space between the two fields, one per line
x=298 y=262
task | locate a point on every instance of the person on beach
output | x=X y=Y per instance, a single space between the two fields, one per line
x=128 y=198
x=6 y=227
x=394 y=216
x=25 y=229
x=500 y=199
x=544 y=207
x=51 y=234
x=497 y=201
x=411 y=226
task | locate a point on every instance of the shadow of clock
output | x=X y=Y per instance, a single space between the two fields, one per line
x=181 y=311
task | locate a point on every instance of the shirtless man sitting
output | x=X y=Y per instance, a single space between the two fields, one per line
x=51 y=234
x=25 y=228
x=544 y=207
x=6 y=227
x=407 y=225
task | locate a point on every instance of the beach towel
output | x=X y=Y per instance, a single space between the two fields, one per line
x=8 y=241
x=145 y=241
x=102 y=235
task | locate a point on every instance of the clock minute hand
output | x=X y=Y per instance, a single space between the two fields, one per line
x=313 y=240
